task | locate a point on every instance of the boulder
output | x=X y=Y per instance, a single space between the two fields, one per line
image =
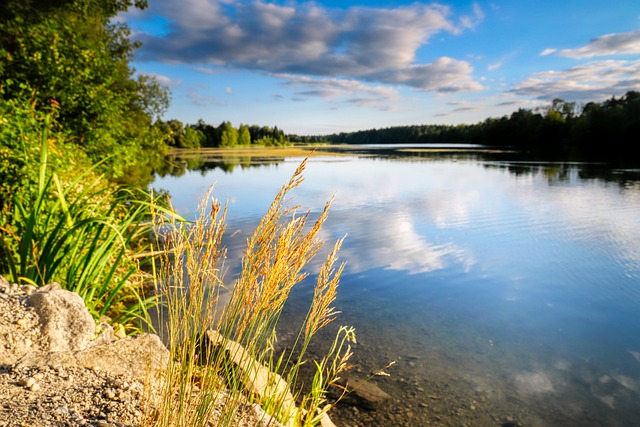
x=65 y=323
x=364 y=393
x=136 y=356
x=68 y=336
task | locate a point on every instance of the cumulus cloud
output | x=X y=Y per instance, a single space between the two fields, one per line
x=332 y=87
x=443 y=75
x=596 y=80
x=363 y=43
x=609 y=44
x=352 y=91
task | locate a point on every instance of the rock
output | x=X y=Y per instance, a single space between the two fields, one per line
x=265 y=420
x=28 y=289
x=105 y=334
x=366 y=393
x=325 y=421
x=256 y=377
x=27 y=382
x=65 y=323
x=105 y=381
x=135 y=356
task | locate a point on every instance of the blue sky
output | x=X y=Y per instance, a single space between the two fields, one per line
x=332 y=66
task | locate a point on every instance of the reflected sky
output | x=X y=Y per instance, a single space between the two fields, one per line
x=410 y=215
x=529 y=281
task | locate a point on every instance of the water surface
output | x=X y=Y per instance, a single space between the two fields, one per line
x=507 y=290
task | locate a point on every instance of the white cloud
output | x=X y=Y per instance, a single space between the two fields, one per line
x=196 y=97
x=337 y=87
x=593 y=81
x=548 y=52
x=352 y=91
x=443 y=75
x=471 y=22
x=609 y=44
x=361 y=43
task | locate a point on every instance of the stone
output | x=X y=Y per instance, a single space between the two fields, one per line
x=256 y=377
x=264 y=419
x=28 y=289
x=27 y=382
x=325 y=421
x=103 y=381
x=65 y=323
x=136 y=356
x=366 y=393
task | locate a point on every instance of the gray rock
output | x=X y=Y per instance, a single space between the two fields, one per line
x=65 y=323
x=135 y=356
x=365 y=393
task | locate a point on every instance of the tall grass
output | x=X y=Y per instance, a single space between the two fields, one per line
x=212 y=376
x=78 y=232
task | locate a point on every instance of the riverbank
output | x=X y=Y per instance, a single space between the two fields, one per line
x=56 y=370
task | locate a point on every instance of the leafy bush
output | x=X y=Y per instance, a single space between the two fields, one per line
x=61 y=221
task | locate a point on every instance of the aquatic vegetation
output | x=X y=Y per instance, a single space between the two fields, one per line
x=220 y=337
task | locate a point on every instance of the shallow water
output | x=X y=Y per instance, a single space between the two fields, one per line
x=507 y=291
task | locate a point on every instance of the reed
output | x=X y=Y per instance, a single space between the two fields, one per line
x=78 y=232
x=208 y=376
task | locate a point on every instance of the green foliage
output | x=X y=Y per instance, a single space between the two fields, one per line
x=559 y=126
x=22 y=131
x=193 y=138
x=63 y=222
x=267 y=136
x=175 y=134
x=71 y=51
x=244 y=136
x=225 y=135
x=228 y=135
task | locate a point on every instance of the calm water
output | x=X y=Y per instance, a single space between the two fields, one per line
x=507 y=291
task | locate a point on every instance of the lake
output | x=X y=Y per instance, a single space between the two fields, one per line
x=505 y=288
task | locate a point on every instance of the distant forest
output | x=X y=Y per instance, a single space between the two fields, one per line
x=613 y=124
x=177 y=135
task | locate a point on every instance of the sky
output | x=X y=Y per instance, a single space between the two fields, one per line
x=322 y=67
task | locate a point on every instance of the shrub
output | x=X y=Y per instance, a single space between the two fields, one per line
x=63 y=222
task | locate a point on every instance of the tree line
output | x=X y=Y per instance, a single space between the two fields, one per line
x=70 y=60
x=178 y=135
x=72 y=57
x=613 y=124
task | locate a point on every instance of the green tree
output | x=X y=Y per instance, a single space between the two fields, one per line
x=73 y=53
x=193 y=138
x=172 y=132
x=228 y=135
x=211 y=134
x=244 y=136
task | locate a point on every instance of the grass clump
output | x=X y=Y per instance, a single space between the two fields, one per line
x=63 y=222
x=222 y=338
